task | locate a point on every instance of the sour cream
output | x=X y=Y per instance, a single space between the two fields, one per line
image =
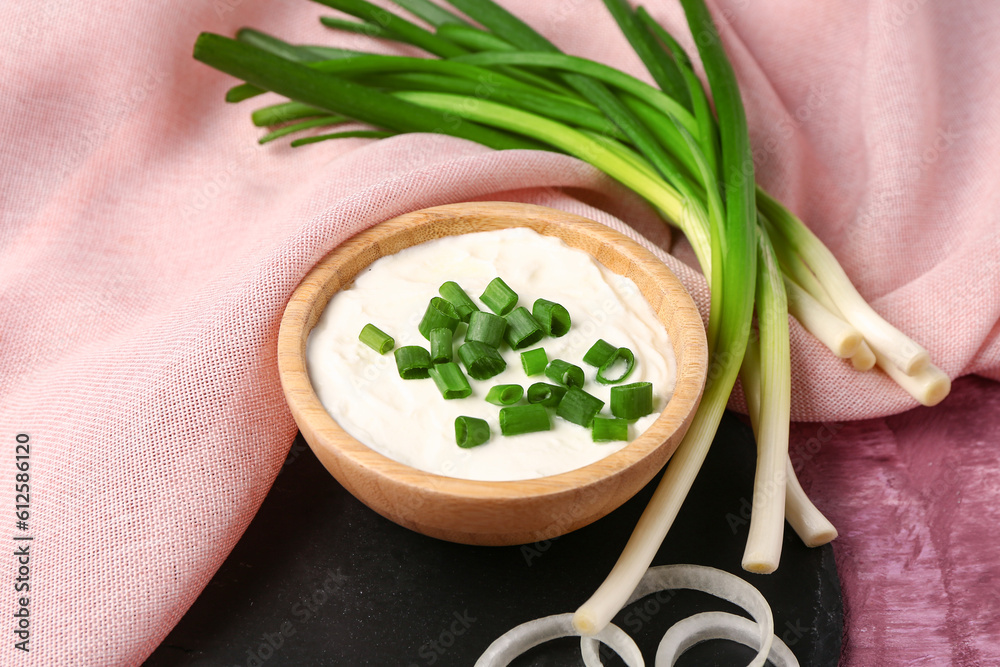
x=409 y=420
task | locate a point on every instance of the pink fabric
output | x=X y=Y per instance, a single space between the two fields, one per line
x=148 y=248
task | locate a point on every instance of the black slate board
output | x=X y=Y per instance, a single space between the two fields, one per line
x=319 y=579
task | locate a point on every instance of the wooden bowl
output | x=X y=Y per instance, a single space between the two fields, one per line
x=477 y=512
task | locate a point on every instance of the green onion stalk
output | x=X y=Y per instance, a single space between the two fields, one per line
x=510 y=88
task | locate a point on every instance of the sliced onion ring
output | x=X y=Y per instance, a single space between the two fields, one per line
x=529 y=635
x=758 y=634
x=692 y=630
x=718 y=583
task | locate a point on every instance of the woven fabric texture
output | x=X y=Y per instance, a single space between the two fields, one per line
x=148 y=246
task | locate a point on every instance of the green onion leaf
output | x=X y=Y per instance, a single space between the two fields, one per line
x=439 y=313
x=546 y=394
x=450 y=380
x=283 y=113
x=442 y=339
x=631 y=401
x=564 y=373
x=354 y=134
x=396 y=27
x=428 y=11
x=505 y=394
x=358 y=27
x=276 y=46
x=534 y=361
x=553 y=317
x=454 y=294
x=376 y=339
x=486 y=328
x=599 y=352
x=607 y=430
x=306 y=85
x=322 y=121
x=499 y=297
x=413 y=362
x=660 y=65
x=481 y=361
x=591 y=71
x=473 y=39
x=471 y=432
x=244 y=91
x=519 y=419
x=579 y=407
x=708 y=132
x=560 y=107
x=739 y=273
x=522 y=329
x=622 y=354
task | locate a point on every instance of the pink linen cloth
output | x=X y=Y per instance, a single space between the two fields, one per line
x=148 y=246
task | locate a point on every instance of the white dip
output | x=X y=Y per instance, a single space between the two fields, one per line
x=409 y=420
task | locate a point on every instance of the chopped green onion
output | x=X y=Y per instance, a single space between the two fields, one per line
x=622 y=353
x=534 y=361
x=450 y=380
x=553 y=317
x=564 y=373
x=599 y=352
x=471 y=432
x=519 y=419
x=546 y=394
x=500 y=298
x=376 y=339
x=607 y=430
x=522 y=329
x=579 y=407
x=441 y=345
x=439 y=313
x=505 y=394
x=631 y=401
x=413 y=362
x=486 y=328
x=481 y=361
x=454 y=294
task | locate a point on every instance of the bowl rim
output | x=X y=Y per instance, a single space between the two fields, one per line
x=340 y=266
